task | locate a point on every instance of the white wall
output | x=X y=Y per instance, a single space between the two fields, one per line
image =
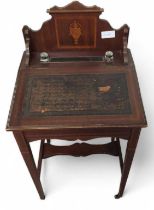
x=77 y=183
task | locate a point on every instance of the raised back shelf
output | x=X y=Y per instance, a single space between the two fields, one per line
x=76 y=28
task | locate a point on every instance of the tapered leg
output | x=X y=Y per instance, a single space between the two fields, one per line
x=120 y=154
x=119 y=149
x=29 y=160
x=40 y=157
x=48 y=141
x=130 y=151
x=112 y=139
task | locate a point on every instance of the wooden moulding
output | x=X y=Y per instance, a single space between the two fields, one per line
x=74 y=6
x=27 y=44
x=82 y=149
x=125 y=42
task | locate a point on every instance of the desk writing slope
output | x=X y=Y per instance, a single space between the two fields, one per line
x=77 y=80
x=79 y=94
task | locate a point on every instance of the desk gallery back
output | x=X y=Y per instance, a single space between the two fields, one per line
x=76 y=80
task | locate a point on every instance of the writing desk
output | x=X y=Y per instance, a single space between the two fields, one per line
x=77 y=93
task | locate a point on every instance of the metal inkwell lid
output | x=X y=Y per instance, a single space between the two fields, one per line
x=109 y=56
x=44 y=57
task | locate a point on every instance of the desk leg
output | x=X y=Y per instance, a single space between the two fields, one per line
x=48 y=141
x=130 y=151
x=29 y=160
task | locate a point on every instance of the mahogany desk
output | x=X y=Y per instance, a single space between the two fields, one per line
x=77 y=93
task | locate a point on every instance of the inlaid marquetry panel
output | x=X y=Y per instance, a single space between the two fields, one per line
x=76 y=31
